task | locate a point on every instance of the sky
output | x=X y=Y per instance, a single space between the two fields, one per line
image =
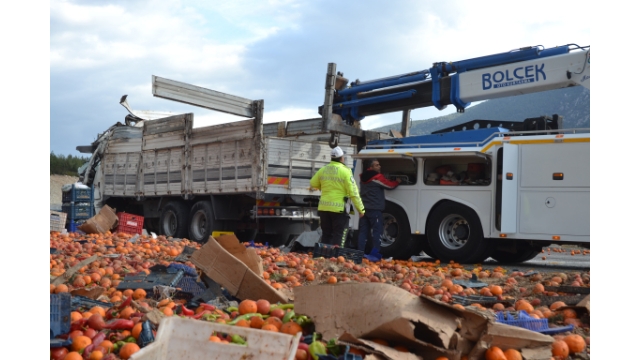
x=277 y=51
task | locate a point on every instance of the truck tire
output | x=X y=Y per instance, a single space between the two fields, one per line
x=174 y=220
x=524 y=252
x=397 y=241
x=454 y=233
x=201 y=221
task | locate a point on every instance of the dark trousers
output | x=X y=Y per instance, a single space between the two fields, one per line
x=370 y=224
x=334 y=227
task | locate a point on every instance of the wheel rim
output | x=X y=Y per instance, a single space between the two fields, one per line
x=199 y=224
x=454 y=231
x=390 y=230
x=169 y=223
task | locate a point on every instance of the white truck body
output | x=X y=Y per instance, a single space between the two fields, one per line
x=541 y=195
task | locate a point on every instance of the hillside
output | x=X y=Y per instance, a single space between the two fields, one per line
x=572 y=103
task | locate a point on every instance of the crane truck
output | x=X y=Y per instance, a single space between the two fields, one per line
x=481 y=189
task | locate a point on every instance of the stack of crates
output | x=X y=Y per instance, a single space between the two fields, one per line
x=77 y=203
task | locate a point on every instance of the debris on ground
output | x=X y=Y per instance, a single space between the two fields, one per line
x=324 y=307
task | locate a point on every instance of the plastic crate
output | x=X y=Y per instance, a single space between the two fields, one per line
x=160 y=275
x=83 y=302
x=59 y=314
x=181 y=338
x=324 y=250
x=130 y=223
x=523 y=320
x=77 y=195
x=76 y=211
x=58 y=219
x=350 y=254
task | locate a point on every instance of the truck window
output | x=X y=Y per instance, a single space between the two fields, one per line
x=457 y=171
x=406 y=169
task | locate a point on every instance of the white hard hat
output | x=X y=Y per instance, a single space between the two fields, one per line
x=337 y=152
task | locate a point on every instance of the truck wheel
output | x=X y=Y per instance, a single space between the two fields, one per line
x=396 y=241
x=524 y=252
x=454 y=233
x=202 y=222
x=173 y=220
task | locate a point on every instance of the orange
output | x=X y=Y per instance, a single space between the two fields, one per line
x=291 y=328
x=494 y=353
x=107 y=345
x=247 y=306
x=575 y=343
x=126 y=312
x=243 y=323
x=74 y=355
x=560 y=349
x=96 y=355
x=139 y=294
x=128 y=349
x=512 y=354
x=75 y=316
x=137 y=329
x=80 y=342
x=269 y=327
x=256 y=322
x=167 y=311
x=98 y=310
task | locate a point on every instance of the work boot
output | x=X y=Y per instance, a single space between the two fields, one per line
x=374 y=255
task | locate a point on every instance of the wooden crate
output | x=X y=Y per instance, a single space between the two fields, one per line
x=58 y=220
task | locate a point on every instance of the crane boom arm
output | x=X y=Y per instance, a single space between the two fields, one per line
x=523 y=71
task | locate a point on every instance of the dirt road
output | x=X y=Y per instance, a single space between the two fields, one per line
x=55 y=189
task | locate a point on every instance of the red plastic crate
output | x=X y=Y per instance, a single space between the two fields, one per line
x=130 y=223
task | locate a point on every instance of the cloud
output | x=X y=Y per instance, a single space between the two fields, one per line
x=277 y=51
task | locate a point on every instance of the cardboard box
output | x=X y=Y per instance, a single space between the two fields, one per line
x=103 y=221
x=233 y=273
x=231 y=243
x=359 y=312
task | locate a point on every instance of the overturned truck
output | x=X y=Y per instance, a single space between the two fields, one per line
x=244 y=176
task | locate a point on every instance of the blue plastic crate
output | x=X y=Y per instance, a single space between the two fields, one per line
x=59 y=314
x=75 y=211
x=523 y=320
x=78 y=195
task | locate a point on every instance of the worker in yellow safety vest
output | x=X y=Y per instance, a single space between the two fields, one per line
x=336 y=182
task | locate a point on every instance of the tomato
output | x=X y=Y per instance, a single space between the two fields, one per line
x=90 y=333
x=59 y=353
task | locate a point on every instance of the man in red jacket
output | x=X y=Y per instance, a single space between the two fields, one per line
x=372 y=187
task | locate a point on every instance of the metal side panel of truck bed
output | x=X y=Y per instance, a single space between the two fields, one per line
x=122 y=161
x=291 y=163
x=225 y=159
x=163 y=155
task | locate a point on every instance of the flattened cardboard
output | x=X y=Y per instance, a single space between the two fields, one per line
x=93 y=293
x=507 y=336
x=232 y=274
x=418 y=349
x=100 y=223
x=473 y=321
x=385 y=352
x=231 y=243
x=335 y=310
x=585 y=303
